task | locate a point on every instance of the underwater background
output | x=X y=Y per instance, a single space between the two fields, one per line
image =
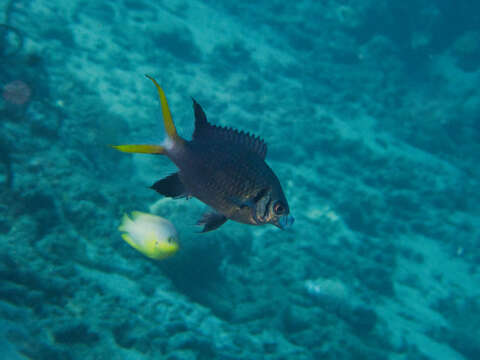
x=370 y=109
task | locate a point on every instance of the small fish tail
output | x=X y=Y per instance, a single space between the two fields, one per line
x=172 y=136
x=126 y=221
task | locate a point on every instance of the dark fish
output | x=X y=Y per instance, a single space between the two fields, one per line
x=222 y=167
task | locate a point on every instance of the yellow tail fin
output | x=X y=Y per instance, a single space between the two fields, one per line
x=141 y=149
x=172 y=136
x=167 y=117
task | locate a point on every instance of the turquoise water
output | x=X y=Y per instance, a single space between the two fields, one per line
x=370 y=110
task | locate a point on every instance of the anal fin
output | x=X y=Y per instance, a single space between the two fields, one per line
x=211 y=221
x=171 y=186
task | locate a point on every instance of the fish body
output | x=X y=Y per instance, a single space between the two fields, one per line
x=222 y=167
x=223 y=176
x=152 y=235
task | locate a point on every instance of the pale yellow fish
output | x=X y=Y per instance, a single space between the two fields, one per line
x=152 y=235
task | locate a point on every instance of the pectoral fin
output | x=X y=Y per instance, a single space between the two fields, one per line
x=242 y=204
x=258 y=202
x=211 y=221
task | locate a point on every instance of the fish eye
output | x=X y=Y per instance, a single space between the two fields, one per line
x=279 y=208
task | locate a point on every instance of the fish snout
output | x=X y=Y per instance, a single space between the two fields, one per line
x=285 y=221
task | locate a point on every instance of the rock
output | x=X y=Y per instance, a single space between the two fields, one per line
x=361 y=319
x=76 y=333
x=182 y=355
x=296 y=318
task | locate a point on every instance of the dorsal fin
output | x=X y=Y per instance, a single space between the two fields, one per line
x=208 y=132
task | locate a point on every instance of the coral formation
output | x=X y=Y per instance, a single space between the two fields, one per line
x=370 y=110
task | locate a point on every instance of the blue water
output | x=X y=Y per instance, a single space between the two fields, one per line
x=370 y=110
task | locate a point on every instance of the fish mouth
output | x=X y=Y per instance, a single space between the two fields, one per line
x=285 y=222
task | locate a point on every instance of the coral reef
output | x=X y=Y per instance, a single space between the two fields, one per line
x=370 y=111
